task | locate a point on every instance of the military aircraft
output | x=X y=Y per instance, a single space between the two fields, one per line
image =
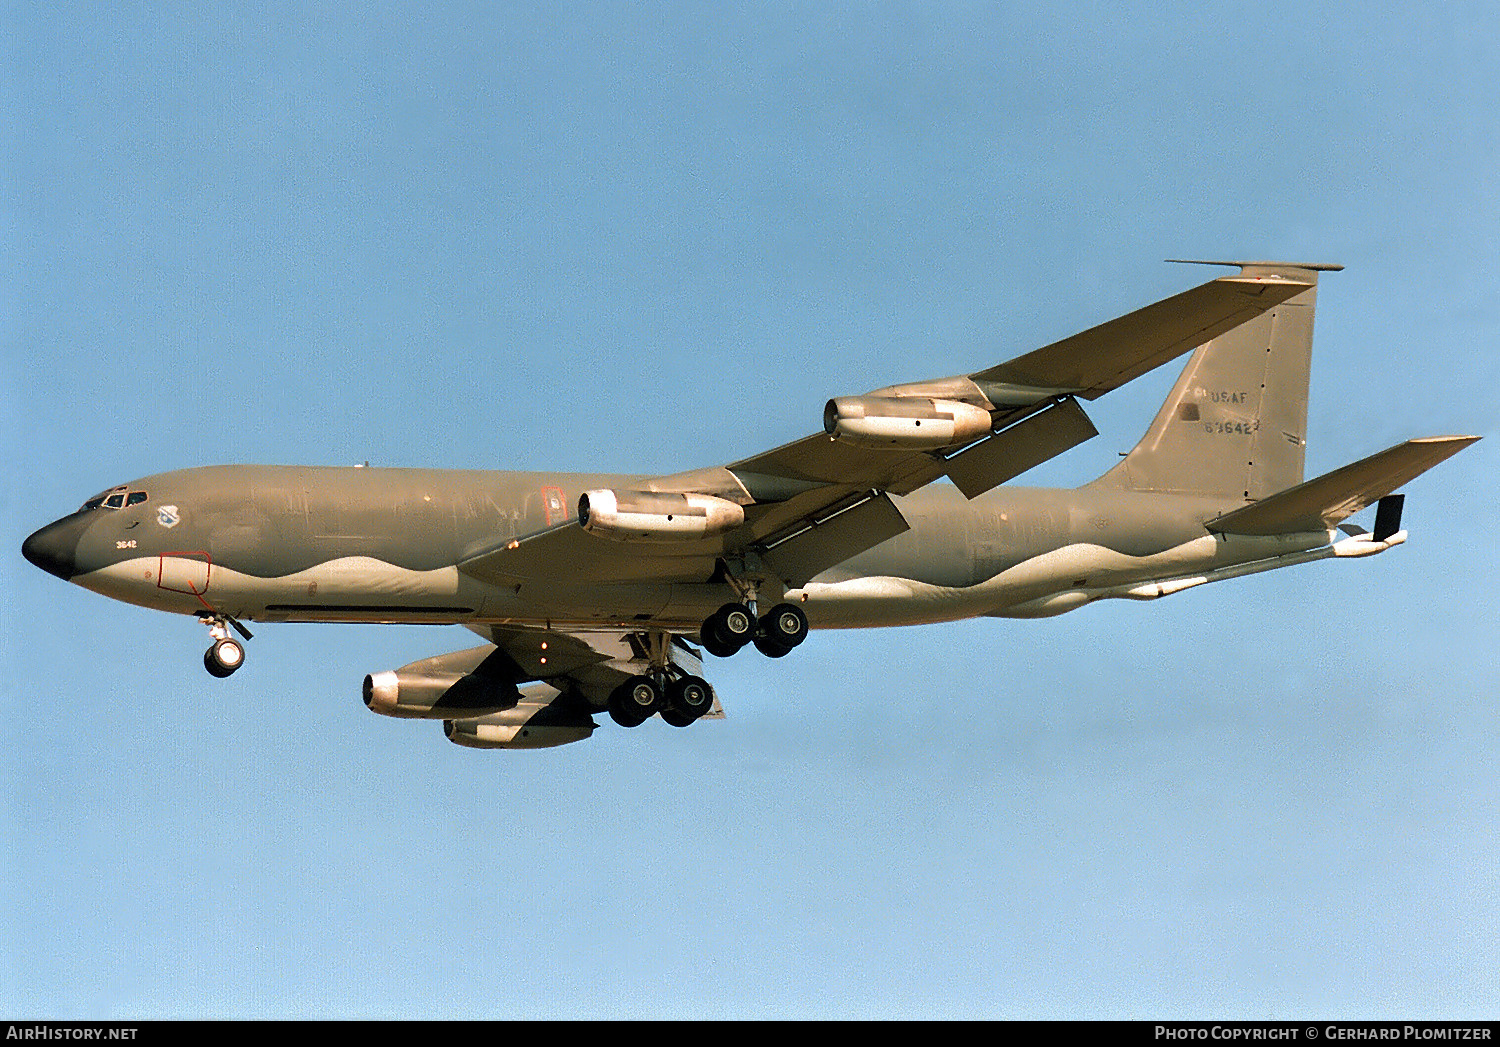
x=601 y=592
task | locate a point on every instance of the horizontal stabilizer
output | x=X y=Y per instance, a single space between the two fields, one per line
x=1320 y=504
x=1312 y=267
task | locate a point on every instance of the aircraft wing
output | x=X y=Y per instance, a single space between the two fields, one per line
x=1106 y=357
x=815 y=502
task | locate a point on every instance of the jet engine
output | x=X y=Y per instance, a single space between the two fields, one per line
x=437 y=688
x=650 y=516
x=538 y=721
x=915 y=422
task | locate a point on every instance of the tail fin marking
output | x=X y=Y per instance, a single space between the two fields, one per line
x=1235 y=424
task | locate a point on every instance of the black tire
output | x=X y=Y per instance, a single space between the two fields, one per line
x=212 y=666
x=728 y=629
x=689 y=696
x=624 y=716
x=224 y=657
x=713 y=644
x=738 y=623
x=633 y=702
x=621 y=713
x=770 y=648
x=677 y=719
x=785 y=626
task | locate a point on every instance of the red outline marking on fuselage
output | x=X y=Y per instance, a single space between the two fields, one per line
x=208 y=567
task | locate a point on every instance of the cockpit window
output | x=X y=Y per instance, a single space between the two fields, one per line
x=116 y=498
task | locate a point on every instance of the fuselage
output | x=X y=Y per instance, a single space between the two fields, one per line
x=288 y=543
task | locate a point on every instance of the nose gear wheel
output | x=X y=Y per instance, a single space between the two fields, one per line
x=226 y=654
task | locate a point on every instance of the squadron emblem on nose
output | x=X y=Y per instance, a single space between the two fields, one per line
x=167 y=516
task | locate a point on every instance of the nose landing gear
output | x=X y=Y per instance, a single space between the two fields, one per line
x=224 y=657
x=225 y=654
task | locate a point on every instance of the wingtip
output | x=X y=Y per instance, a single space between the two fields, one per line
x=1464 y=440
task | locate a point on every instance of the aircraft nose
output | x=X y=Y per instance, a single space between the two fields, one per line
x=54 y=548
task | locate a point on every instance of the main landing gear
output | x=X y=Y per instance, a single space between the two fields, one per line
x=680 y=700
x=225 y=654
x=733 y=626
x=665 y=687
x=680 y=697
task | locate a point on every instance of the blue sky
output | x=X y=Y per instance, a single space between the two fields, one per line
x=654 y=237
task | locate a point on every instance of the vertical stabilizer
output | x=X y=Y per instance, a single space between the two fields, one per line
x=1235 y=424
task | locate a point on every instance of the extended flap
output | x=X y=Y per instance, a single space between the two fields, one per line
x=1010 y=453
x=833 y=540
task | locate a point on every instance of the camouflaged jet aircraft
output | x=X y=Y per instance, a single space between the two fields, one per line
x=599 y=592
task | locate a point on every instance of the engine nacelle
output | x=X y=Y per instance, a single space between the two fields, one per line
x=650 y=516
x=916 y=422
x=437 y=695
x=540 y=720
